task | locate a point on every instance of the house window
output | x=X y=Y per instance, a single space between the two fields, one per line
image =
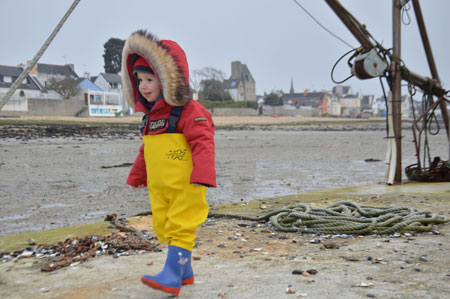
x=21 y=94
x=1 y=78
x=7 y=79
x=95 y=99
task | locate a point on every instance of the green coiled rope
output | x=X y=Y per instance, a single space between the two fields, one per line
x=347 y=217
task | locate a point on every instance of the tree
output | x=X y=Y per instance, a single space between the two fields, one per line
x=212 y=90
x=273 y=99
x=113 y=55
x=67 y=87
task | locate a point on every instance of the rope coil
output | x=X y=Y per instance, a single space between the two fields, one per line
x=347 y=217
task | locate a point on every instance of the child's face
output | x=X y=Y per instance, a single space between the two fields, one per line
x=148 y=86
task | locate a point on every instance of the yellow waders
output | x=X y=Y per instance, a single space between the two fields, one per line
x=178 y=207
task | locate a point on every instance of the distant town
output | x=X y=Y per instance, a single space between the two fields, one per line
x=52 y=89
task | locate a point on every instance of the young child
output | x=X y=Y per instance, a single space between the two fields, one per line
x=176 y=160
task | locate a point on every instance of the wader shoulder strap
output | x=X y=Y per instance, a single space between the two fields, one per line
x=173 y=119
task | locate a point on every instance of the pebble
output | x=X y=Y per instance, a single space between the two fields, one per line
x=423 y=259
x=312 y=271
x=116 y=255
x=290 y=291
x=297 y=272
x=330 y=245
x=44 y=290
x=196 y=258
x=27 y=253
x=352 y=258
x=150 y=262
x=31 y=241
x=371 y=296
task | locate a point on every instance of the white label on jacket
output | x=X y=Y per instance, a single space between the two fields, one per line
x=155 y=125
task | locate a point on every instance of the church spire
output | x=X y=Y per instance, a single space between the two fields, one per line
x=292 y=86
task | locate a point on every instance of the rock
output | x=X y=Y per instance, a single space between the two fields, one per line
x=297 y=272
x=312 y=271
x=150 y=262
x=27 y=253
x=423 y=259
x=31 y=241
x=306 y=274
x=290 y=291
x=330 y=245
x=352 y=258
x=371 y=296
x=196 y=258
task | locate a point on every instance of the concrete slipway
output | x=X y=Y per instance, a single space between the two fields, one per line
x=244 y=259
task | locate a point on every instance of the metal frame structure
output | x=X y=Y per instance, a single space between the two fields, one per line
x=398 y=71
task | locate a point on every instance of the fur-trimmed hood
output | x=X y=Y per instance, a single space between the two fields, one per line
x=168 y=62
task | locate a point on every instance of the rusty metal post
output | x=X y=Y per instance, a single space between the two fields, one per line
x=396 y=86
x=430 y=58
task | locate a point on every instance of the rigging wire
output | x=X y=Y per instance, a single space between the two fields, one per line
x=334 y=66
x=406 y=19
x=323 y=27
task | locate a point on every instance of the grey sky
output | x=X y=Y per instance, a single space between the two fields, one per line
x=275 y=38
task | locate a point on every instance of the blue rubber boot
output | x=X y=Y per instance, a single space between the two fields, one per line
x=169 y=279
x=188 y=275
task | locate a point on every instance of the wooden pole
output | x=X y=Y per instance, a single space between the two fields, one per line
x=36 y=58
x=430 y=58
x=396 y=86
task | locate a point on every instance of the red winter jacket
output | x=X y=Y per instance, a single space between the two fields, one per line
x=197 y=126
x=169 y=63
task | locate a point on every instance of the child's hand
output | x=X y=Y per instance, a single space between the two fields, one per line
x=139 y=186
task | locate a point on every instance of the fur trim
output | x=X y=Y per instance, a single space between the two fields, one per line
x=175 y=91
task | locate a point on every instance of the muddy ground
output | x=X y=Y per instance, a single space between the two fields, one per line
x=55 y=173
x=56 y=181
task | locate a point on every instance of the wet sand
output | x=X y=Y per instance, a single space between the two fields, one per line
x=49 y=182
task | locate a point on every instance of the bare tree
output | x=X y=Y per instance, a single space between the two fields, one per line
x=207 y=73
x=67 y=87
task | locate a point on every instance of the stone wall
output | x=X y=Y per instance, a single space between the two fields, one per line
x=267 y=111
x=55 y=107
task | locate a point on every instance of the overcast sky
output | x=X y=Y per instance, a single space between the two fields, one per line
x=275 y=38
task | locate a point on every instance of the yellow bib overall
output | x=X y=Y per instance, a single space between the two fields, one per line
x=178 y=207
